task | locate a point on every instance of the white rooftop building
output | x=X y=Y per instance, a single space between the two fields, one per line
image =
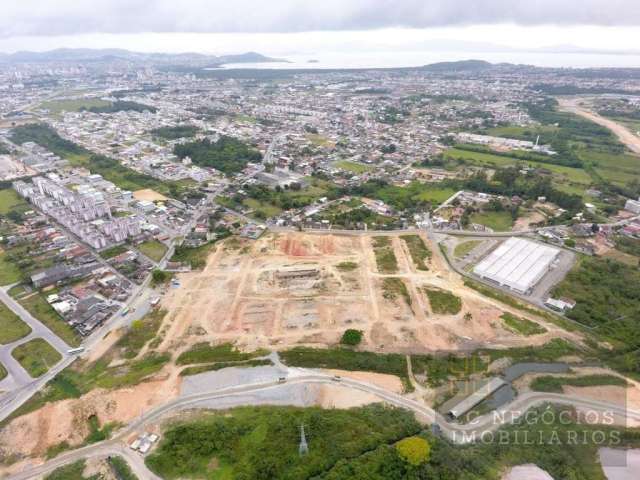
x=518 y=264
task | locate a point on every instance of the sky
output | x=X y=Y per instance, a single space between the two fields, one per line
x=298 y=27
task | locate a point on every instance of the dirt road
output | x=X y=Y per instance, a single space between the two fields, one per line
x=627 y=137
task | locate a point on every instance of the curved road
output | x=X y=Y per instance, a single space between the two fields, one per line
x=457 y=433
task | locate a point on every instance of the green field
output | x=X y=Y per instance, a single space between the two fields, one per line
x=9 y=199
x=464 y=248
x=262 y=209
x=36 y=356
x=555 y=384
x=393 y=288
x=434 y=194
x=12 y=328
x=570 y=174
x=153 y=249
x=9 y=273
x=37 y=306
x=497 y=221
x=73 y=104
x=353 y=166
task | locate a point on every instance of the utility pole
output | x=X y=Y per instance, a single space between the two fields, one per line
x=303 y=449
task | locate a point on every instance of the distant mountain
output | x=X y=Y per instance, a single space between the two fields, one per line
x=75 y=55
x=460 y=66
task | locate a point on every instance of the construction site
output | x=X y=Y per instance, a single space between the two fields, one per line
x=307 y=289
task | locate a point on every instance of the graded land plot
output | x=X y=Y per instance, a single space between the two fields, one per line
x=36 y=356
x=307 y=289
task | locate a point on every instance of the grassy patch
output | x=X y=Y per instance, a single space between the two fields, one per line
x=36 y=356
x=497 y=221
x=9 y=199
x=393 y=288
x=418 y=250
x=37 y=306
x=464 y=248
x=12 y=328
x=207 y=353
x=443 y=302
x=3 y=372
x=385 y=258
x=195 y=257
x=9 y=272
x=73 y=471
x=353 y=167
x=521 y=325
x=121 y=469
x=347 y=266
x=73 y=104
x=140 y=333
x=153 y=249
x=55 y=450
x=549 y=383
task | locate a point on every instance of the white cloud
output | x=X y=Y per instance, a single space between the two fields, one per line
x=71 y=17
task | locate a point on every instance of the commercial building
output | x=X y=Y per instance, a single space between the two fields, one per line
x=518 y=264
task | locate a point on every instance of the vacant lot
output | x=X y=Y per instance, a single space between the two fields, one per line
x=36 y=356
x=11 y=327
x=496 y=221
x=153 y=249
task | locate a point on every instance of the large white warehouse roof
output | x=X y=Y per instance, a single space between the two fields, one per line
x=518 y=264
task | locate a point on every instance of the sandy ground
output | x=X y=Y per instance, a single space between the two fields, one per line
x=150 y=195
x=388 y=382
x=522 y=223
x=527 y=472
x=288 y=289
x=67 y=420
x=623 y=133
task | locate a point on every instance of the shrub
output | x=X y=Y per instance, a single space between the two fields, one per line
x=351 y=337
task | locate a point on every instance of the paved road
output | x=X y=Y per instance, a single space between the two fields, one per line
x=460 y=434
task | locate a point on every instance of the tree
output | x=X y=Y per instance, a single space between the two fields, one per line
x=414 y=450
x=351 y=337
x=159 y=276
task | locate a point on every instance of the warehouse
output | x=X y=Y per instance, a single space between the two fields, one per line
x=518 y=264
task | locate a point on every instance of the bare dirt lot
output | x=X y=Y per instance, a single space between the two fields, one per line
x=149 y=195
x=302 y=288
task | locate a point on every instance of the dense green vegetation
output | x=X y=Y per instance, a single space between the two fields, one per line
x=393 y=287
x=521 y=325
x=207 y=353
x=9 y=271
x=11 y=201
x=351 y=337
x=109 y=168
x=261 y=443
x=414 y=450
x=418 y=250
x=385 y=258
x=113 y=251
x=227 y=154
x=36 y=356
x=552 y=450
x=548 y=383
x=443 y=302
x=173 y=133
x=628 y=245
x=121 y=106
x=413 y=197
x=12 y=328
x=121 y=469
